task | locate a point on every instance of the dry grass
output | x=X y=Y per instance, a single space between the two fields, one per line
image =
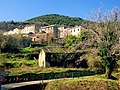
x=84 y=83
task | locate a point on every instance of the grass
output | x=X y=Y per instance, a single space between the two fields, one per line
x=96 y=82
x=37 y=69
x=24 y=66
x=29 y=50
x=9 y=60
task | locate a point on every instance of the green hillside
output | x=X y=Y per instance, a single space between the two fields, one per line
x=56 y=19
x=44 y=20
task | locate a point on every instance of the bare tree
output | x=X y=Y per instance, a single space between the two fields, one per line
x=106 y=32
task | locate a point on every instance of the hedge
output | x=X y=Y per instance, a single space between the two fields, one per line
x=50 y=75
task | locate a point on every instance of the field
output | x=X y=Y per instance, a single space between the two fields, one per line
x=97 y=82
x=23 y=67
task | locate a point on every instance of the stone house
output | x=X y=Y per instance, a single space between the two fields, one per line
x=64 y=33
x=28 y=29
x=75 y=31
x=46 y=33
x=57 y=57
x=25 y=31
x=40 y=37
x=15 y=31
x=51 y=30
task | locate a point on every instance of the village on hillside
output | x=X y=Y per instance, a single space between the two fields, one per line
x=45 y=54
x=46 y=33
x=40 y=34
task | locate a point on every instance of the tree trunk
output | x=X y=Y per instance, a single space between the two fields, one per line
x=0 y=50
x=108 y=73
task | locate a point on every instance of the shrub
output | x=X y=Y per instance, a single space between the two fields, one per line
x=30 y=63
x=52 y=75
x=93 y=61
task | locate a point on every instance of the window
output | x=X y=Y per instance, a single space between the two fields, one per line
x=74 y=30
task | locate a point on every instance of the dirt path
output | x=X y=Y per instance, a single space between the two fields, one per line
x=15 y=85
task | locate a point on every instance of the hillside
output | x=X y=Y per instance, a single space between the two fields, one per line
x=56 y=19
x=44 y=20
x=10 y=25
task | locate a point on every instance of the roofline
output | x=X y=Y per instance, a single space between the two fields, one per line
x=48 y=26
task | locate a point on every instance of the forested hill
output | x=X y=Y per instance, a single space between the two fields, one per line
x=51 y=19
x=42 y=21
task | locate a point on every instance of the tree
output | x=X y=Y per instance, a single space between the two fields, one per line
x=12 y=43
x=2 y=41
x=105 y=34
x=108 y=32
x=85 y=35
x=70 y=40
x=56 y=19
x=109 y=38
